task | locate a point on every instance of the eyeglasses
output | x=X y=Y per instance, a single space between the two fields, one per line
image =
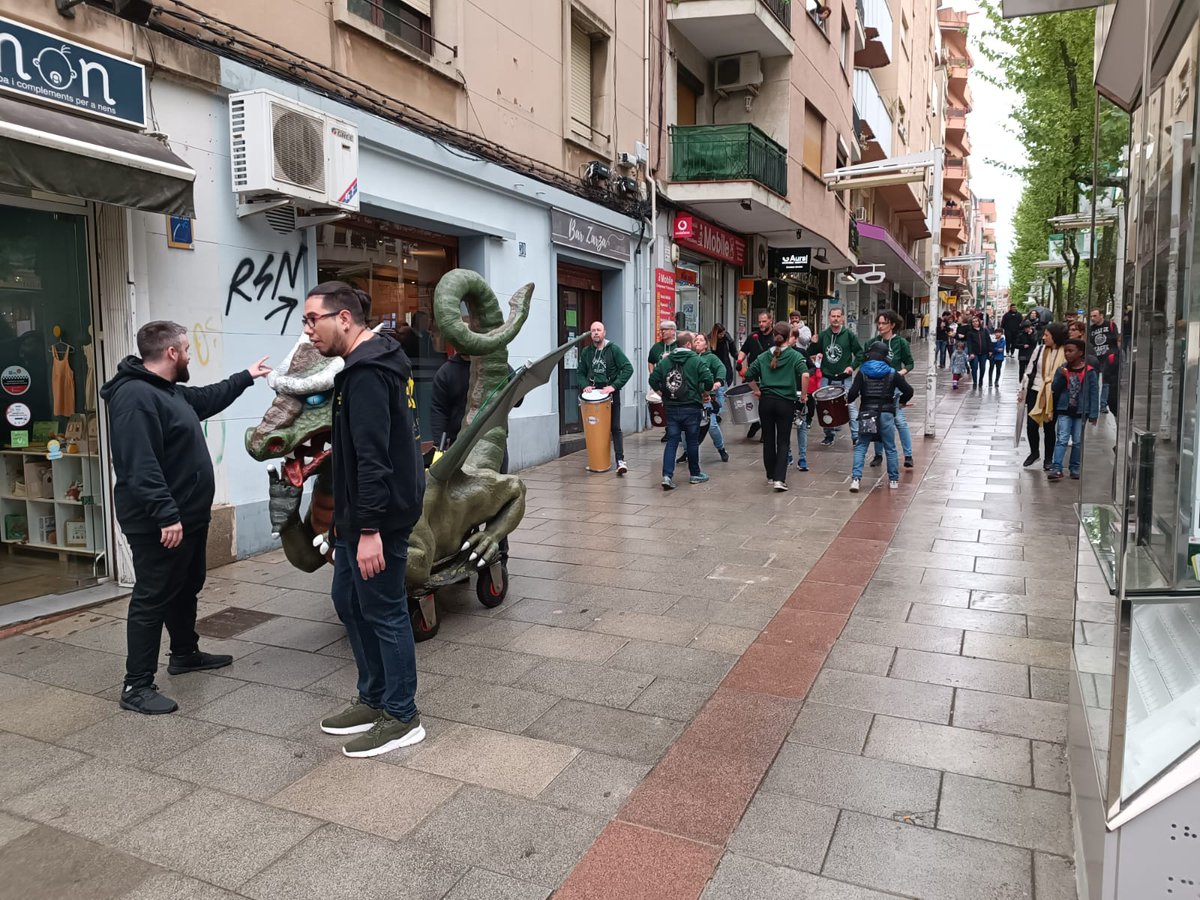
x=310 y=321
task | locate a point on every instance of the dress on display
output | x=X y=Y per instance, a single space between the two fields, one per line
x=62 y=381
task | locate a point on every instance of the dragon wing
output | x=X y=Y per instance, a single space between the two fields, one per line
x=530 y=376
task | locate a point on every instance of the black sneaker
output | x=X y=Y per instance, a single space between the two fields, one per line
x=663 y=439
x=1031 y=459
x=876 y=462
x=197 y=662
x=724 y=454
x=147 y=701
x=682 y=458
x=908 y=462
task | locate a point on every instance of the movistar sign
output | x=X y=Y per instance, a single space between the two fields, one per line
x=43 y=66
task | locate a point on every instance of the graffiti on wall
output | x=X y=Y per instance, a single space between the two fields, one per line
x=271 y=283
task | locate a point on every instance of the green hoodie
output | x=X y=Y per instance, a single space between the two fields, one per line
x=658 y=350
x=838 y=351
x=783 y=380
x=899 y=352
x=697 y=376
x=609 y=366
x=715 y=366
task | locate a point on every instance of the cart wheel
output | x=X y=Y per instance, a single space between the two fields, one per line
x=421 y=627
x=489 y=593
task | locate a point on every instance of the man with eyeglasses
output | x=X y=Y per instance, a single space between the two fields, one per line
x=378 y=490
x=841 y=353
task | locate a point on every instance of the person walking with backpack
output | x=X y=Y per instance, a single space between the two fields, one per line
x=774 y=377
x=880 y=388
x=999 y=349
x=710 y=417
x=841 y=352
x=1076 y=399
x=683 y=379
x=604 y=366
x=668 y=341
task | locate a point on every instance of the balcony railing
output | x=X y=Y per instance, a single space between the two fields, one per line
x=877 y=24
x=780 y=9
x=872 y=110
x=727 y=153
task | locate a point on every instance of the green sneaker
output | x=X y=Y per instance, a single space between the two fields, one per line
x=354 y=719
x=385 y=735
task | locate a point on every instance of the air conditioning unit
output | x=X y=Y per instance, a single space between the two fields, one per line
x=738 y=73
x=860 y=214
x=282 y=149
x=756 y=264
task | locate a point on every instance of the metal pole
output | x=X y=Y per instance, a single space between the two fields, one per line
x=935 y=300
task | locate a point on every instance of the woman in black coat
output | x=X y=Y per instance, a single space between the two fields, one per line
x=979 y=349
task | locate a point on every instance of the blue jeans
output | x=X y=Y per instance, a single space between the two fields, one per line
x=942 y=348
x=375 y=613
x=845 y=383
x=714 y=427
x=1104 y=395
x=1067 y=429
x=682 y=421
x=902 y=427
x=802 y=437
x=887 y=432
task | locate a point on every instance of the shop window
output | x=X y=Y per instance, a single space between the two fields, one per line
x=411 y=21
x=814 y=140
x=399 y=268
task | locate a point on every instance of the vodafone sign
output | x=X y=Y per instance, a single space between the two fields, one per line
x=709 y=239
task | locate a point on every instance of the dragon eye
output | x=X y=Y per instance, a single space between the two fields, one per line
x=315 y=399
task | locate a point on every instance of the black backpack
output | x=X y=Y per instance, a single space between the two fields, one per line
x=675 y=386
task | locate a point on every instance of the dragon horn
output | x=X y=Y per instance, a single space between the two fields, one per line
x=495 y=334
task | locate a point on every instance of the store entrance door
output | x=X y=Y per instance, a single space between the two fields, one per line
x=579 y=304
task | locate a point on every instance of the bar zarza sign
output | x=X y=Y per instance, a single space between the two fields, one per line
x=574 y=231
x=697 y=234
x=42 y=66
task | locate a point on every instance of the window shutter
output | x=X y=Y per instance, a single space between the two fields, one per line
x=424 y=7
x=581 y=79
x=814 y=134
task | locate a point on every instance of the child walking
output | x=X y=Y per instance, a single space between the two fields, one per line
x=999 y=348
x=1076 y=398
x=958 y=362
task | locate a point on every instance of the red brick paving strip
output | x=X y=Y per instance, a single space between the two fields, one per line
x=669 y=836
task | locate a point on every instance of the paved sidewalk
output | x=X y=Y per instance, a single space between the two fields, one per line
x=698 y=691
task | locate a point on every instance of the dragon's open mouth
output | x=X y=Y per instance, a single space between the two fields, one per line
x=305 y=458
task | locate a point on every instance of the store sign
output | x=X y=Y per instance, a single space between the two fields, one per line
x=664 y=294
x=15 y=381
x=711 y=240
x=584 y=234
x=42 y=66
x=790 y=260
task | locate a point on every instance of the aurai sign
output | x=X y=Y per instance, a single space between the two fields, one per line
x=44 y=67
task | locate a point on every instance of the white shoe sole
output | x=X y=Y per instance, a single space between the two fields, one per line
x=413 y=737
x=353 y=729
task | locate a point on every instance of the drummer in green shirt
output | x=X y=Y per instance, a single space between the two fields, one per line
x=663 y=347
x=900 y=358
x=841 y=353
x=604 y=366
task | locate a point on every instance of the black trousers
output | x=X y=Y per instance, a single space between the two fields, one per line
x=164 y=593
x=618 y=436
x=777 y=417
x=1041 y=437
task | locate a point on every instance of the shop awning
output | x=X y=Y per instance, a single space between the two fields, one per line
x=51 y=151
x=879 y=248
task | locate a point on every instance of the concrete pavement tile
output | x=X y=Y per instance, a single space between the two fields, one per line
x=142 y=741
x=885 y=609
x=190 y=691
x=481 y=663
x=311 y=605
x=296 y=634
x=842 y=780
x=86 y=671
x=480 y=884
x=961 y=562
x=1049 y=629
x=785 y=831
x=70 y=625
x=962 y=672
x=172 y=886
x=975 y=581
x=831 y=727
x=1024 y=817
x=970 y=620
x=59 y=712
x=935 y=863
x=632 y=863
x=526 y=840
x=885 y=589
x=595 y=784
x=725 y=638
x=742 y=878
x=110 y=636
x=1036 y=719
x=981 y=753
x=495 y=632
x=1027 y=568
x=48 y=864
x=684 y=663
x=1049 y=684
x=803 y=629
x=1053 y=877
x=636 y=736
x=584 y=681
x=319 y=581
x=746 y=724
x=282 y=667
x=246 y=594
x=978 y=548
x=98 y=799
x=12 y=828
x=336 y=863
x=566 y=643
x=851 y=656
x=1050 y=767
x=718 y=612
x=673 y=699
x=1020 y=604
x=1026 y=651
x=494 y=759
x=901 y=634
x=494 y=706
x=269 y=710
x=823 y=596
x=26 y=763
x=560 y=613
x=22 y=654
x=343 y=682
x=890 y=696
x=249 y=765
x=774 y=669
x=661 y=629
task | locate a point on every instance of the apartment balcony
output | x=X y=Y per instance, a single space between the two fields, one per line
x=956 y=170
x=877 y=28
x=956 y=120
x=725 y=27
x=959 y=142
x=877 y=125
x=948 y=18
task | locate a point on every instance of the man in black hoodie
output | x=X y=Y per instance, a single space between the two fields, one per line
x=164 y=495
x=378 y=490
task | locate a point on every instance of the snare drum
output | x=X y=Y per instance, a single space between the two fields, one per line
x=658 y=411
x=743 y=405
x=832 y=409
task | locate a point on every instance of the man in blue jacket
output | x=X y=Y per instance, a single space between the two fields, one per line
x=1076 y=398
x=163 y=496
x=378 y=491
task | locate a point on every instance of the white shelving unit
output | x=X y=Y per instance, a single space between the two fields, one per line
x=62 y=515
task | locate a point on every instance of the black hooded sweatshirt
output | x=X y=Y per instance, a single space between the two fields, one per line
x=378 y=472
x=164 y=472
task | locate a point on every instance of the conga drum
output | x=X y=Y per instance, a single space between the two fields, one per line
x=658 y=410
x=595 y=410
x=832 y=409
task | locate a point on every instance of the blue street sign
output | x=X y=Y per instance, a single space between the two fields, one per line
x=43 y=66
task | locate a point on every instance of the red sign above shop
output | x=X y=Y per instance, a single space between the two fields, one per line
x=709 y=239
x=664 y=295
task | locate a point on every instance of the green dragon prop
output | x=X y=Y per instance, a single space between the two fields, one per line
x=469 y=505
